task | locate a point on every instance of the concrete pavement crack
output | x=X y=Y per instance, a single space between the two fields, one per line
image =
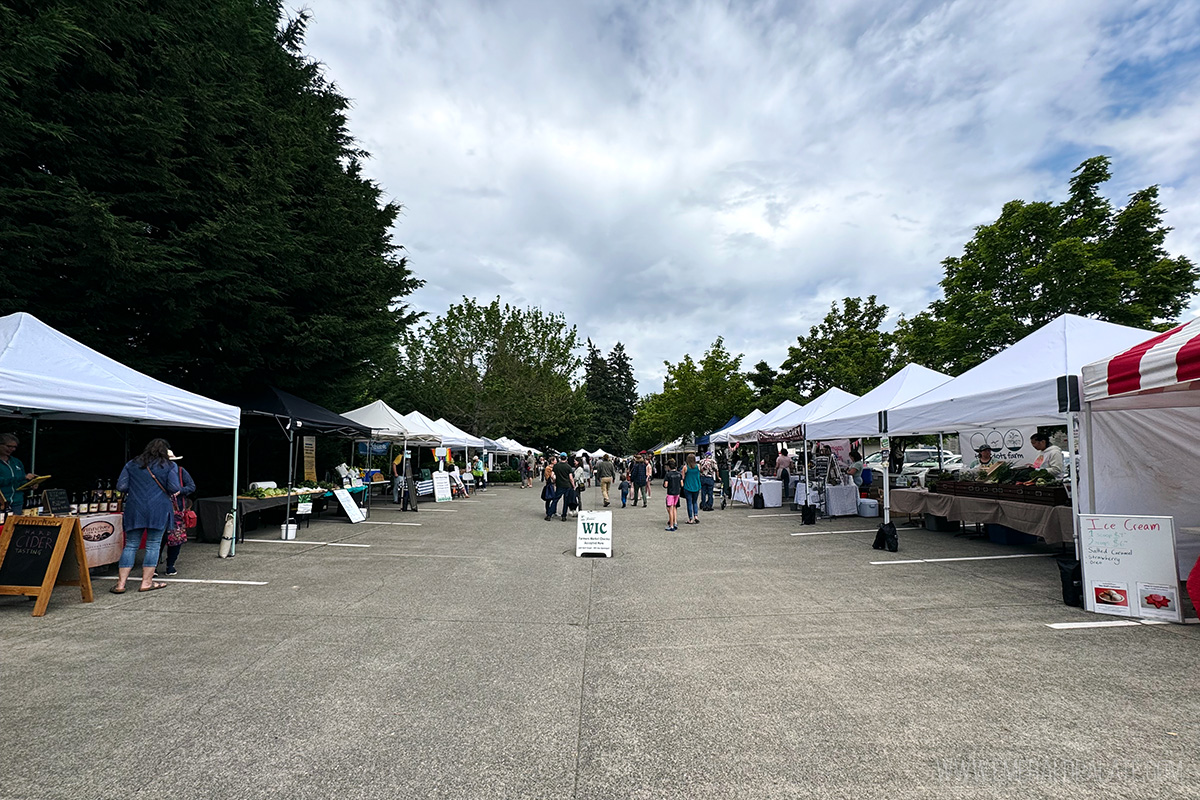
x=587 y=638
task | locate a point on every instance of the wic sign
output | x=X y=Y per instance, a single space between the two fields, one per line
x=593 y=534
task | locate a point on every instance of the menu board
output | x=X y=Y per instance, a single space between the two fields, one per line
x=1129 y=566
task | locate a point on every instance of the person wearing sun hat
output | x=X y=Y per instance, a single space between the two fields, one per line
x=177 y=536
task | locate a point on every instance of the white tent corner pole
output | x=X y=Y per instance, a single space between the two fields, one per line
x=1073 y=426
x=237 y=432
x=33 y=448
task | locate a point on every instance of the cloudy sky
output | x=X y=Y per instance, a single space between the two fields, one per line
x=666 y=172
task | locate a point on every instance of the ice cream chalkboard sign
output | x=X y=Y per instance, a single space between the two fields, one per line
x=38 y=553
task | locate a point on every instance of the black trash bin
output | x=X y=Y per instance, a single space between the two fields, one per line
x=1072 y=581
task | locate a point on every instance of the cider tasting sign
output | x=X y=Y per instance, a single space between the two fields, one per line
x=1129 y=566
x=593 y=534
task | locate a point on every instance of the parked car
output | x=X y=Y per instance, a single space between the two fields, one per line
x=916 y=471
x=911 y=456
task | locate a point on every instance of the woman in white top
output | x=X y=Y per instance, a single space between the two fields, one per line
x=580 y=476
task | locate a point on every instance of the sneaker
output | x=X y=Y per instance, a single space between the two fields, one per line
x=172 y=571
x=549 y=517
x=668 y=528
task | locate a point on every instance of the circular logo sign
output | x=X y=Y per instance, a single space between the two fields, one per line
x=1013 y=440
x=98 y=531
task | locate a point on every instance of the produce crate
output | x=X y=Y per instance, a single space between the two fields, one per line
x=1038 y=495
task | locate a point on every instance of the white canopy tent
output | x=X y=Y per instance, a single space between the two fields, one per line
x=517 y=447
x=1032 y=382
x=387 y=423
x=456 y=437
x=722 y=436
x=1141 y=407
x=792 y=423
x=748 y=429
x=860 y=417
x=45 y=374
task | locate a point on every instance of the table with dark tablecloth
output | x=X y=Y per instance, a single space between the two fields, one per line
x=1052 y=523
x=212 y=510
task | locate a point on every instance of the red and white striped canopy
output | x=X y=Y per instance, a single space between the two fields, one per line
x=1168 y=360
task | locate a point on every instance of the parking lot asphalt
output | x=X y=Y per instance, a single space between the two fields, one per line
x=465 y=652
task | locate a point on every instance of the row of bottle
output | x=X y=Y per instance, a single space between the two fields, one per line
x=102 y=500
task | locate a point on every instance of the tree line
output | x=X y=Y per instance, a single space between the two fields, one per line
x=179 y=190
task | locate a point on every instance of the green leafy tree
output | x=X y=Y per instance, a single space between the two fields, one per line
x=187 y=170
x=696 y=397
x=847 y=350
x=611 y=393
x=496 y=370
x=1040 y=260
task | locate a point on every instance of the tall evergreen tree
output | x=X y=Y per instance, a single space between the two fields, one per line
x=623 y=396
x=178 y=189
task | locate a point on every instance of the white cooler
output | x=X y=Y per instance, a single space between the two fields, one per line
x=868 y=507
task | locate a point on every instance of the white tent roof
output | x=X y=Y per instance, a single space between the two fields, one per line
x=388 y=423
x=747 y=430
x=861 y=417
x=1033 y=382
x=600 y=453
x=454 y=436
x=827 y=402
x=49 y=374
x=517 y=446
x=722 y=436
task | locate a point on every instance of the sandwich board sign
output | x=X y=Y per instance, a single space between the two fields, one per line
x=39 y=553
x=353 y=512
x=593 y=534
x=441 y=487
x=1129 y=566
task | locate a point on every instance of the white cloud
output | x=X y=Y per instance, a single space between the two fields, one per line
x=664 y=173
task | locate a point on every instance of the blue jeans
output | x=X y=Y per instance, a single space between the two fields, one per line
x=691 y=496
x=133 y=539
x=564 y=493
x=707 y=484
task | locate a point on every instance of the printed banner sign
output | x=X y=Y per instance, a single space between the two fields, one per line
x=309 y=445
x=1009 y=443
x=1129 y=566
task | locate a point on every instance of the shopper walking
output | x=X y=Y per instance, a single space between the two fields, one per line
x=606 y=472
x=783 y=465
x=149 y=483
x=549 y=490
x=639 y=476
x=691 y=489
x=649 y=474
x=564 y=486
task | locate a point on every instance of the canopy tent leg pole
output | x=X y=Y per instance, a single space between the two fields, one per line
x=287 y=506
x=33 y=449
x=941 y=447
x=237 y=432
x=803 y=466
x=887 y=493
x=367 y=483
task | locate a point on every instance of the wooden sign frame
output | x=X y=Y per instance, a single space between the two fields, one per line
x=68 y=561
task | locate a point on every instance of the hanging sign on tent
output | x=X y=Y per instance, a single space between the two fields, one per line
x=1009 y=443
x=353 y=512
x=1129 y=566
x=309 y=445
x=441 y=487
x=377 y=448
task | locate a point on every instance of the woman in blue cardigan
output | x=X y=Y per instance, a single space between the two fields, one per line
x=149 y=482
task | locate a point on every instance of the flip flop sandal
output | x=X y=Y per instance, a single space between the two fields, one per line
x=115 y=590
x=152 y=587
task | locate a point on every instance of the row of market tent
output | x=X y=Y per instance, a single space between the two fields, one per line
x=1131 y=392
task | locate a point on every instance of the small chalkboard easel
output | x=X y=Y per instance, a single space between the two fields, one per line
x=39 y=553
x=410 y=488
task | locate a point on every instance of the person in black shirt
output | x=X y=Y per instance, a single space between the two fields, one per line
x=673 y=483
x=564 y=482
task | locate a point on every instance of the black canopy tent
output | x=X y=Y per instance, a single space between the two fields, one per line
x=295 y=414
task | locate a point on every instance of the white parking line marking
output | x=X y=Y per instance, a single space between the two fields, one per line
x=373 y=522
x=761 y=516
x=967 y=558
x=1116 y=623
x=346 y=544
x=820 y=533
x=300 y=541
x=183 y=580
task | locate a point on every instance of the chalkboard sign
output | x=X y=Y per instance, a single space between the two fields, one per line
x=38 y=553
x=56 y=502
x=30 y=550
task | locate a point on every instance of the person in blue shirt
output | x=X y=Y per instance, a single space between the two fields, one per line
x=12 y=472
x=149 y=483
x=175 y=540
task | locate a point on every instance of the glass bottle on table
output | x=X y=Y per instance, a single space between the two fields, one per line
x=110 y=504
x=74 y=509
